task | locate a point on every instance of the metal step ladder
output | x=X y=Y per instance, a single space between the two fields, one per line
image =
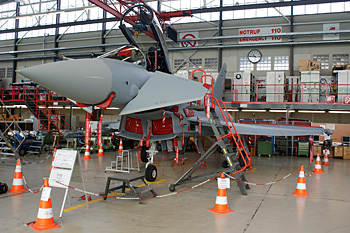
x=9 y=144
x=227 y=139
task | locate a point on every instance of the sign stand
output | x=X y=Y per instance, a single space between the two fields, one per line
x=62 y=170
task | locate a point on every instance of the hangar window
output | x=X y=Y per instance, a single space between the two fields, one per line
x=340 y=59
x=211 y=64
x=9 y=73
x=281 y=63
x=2 y=72
x=245 y=64
x=324 y=59
x=264 y=64
x=196 y=63
x=179 y=64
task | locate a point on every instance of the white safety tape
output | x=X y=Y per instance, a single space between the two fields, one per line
x=25 y=182
x=37 y=161
x=136 y=198
x=268 y=183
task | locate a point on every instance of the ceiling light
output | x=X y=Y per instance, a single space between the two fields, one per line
x=112 y=108
x=345 y=112
x=232 y=110
x=253 y=110
x=280 y=110
x=306 y=111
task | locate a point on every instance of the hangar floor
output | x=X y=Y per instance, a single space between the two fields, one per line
x=269 y=208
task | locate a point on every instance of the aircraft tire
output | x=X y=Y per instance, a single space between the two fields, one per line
x=172 y=188
x=151 y=173
x=144 y=154
x=224 y=164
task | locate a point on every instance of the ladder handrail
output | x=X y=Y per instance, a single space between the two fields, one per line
x=42 y=103
x=238 y=144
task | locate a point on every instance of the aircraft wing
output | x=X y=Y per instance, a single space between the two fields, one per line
x=270 y=130
x=162 y=90
x=277 y=130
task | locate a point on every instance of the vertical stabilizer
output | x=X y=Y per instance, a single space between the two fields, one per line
x=220 y=83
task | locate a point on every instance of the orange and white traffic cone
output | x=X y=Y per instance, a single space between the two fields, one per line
x=44 y=220
x=301 y=185
x=53 y=158
x=120 y=146
x=17 y=184
x=318 y=168
x=325 y=158
x=221 y=205
x=87 y=152
x=100 y=151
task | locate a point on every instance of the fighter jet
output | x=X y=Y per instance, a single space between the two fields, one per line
x=157 y=106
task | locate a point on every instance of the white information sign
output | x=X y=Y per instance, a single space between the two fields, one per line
x=62 y=170
x=224 y=183
x=261 y=32
x=188 y=35
x=65 y=159
x=45 y=195
x=61 y=175
x=328 y=28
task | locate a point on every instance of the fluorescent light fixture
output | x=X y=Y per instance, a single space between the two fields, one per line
x=21 y=106
x=112 y=108
x=232 y=110
x=253 y=110
x=280 y=110
x=306 y=111
x=342 y=112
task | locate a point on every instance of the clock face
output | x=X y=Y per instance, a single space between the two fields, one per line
x=254 y=56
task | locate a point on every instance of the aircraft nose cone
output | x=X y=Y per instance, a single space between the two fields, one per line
x=88 y=81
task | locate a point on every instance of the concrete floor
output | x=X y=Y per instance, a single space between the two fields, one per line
x=265 y=209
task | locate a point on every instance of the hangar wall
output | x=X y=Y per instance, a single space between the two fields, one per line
x=40 y=50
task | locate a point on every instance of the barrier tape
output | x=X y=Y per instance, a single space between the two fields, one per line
x=37 y=161
x=25 y=182
x=268 y=183
x=137 y=198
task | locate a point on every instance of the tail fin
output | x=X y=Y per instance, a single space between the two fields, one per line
x=220 y=83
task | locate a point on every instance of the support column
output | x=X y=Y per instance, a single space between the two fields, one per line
x=57 y=29
x=220 y=41
x=15 y=47
x=291 y=39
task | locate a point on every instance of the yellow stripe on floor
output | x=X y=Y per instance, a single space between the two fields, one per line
x=251 y=170
x=113 y=195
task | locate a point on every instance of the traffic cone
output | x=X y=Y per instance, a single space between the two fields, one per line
x=87 y=152
x=100 y=151
x=53 y=158
x=318 y=165
x=221 y=206
x=44 y=220
x=325 y=158
x=120 y=146
x=301 y=186
x=17 y=184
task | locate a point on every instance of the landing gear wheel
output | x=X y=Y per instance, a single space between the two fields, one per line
x=144 y=154
x=224 y=164
x=151 y=173
x=172 y=188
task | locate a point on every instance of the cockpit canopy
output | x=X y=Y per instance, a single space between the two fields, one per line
x=128 y=53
